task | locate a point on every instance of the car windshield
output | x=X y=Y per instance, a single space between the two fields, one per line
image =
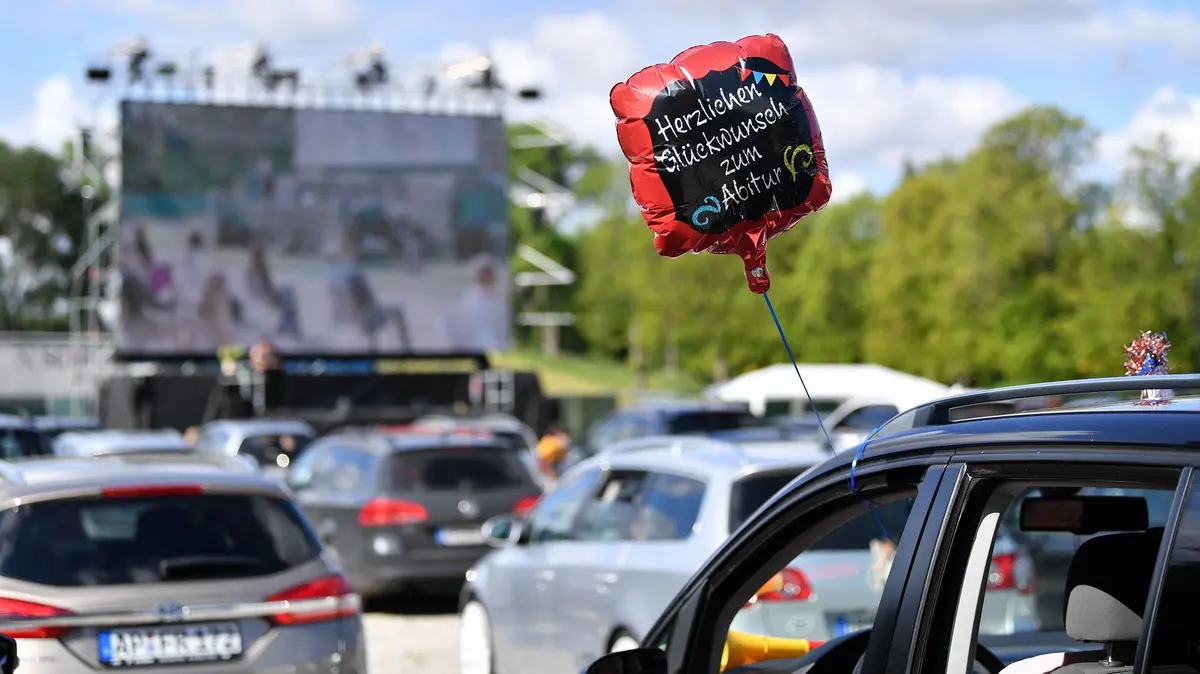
x=116 y=541
x=709 y=421
x=750 y=493
x=459 y=469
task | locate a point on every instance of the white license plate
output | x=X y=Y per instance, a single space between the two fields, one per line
x=472 y=536
x=167 y=645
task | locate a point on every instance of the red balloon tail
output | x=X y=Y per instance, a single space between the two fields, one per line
x=752 y=248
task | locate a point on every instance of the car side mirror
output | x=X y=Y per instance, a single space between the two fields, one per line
x=501 y=531
x=8 y=655
x=635 y=661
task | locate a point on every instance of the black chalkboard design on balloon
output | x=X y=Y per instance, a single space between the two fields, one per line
x=724 y=150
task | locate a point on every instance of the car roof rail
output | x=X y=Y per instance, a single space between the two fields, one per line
x=677 y=444
x=941 y=412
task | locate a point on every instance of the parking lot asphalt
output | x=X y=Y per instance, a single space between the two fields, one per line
x=412 y=635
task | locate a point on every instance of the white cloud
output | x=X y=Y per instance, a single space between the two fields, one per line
x=846 y=186
x=1167 y=112
x=274 y=21
x=55 y=118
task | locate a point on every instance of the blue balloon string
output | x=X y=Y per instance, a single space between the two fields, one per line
x=821 y=422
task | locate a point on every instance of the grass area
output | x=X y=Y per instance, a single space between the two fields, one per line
x=579 y=375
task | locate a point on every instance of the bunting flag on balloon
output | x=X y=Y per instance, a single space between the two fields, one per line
x=724 y=149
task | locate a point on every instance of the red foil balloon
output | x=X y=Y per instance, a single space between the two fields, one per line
x=724 y=149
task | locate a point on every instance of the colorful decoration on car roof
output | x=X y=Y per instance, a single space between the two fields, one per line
x=1147 y=356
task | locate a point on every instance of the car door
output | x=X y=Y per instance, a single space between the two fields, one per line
x=520 y=579
x=589 y=579
x=753 y=567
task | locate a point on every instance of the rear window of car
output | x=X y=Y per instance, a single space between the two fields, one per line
x=459 y=469
x=266 y=449
x=708 y=421
x=18 y=443
x=101 y=541
x=750 y=493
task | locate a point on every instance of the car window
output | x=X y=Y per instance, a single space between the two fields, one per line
x=554 y=517
x=868 y=418
x=274 y=449
x=150 y=539
x=629 y=427
x=311 y=470
x=709 y=421
x=603 y=433
x=668 y=508
x=609 y=514
x=751 y=492
x=459 y=469
x=352 y=470
x=1174 y=640
x=829 y=590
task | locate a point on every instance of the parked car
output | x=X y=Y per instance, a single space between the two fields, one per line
x=503 y=426
x=599 y=558
x=108 y=564
x=649 y=418
x=1129 y=592
x=273 y=444
x=403 y=508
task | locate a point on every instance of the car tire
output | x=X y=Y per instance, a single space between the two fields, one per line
x=474 y=639
x=623 y=642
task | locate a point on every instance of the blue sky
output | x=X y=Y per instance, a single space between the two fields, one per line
x=890 y=79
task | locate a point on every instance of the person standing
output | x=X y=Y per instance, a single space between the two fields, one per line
x=268 y=375
x=552 y=451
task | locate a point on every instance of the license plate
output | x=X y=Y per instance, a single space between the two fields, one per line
x=167 y=645
x=471 y=536
x=847 y=624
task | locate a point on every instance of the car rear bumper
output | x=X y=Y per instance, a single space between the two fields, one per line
x=334 y=647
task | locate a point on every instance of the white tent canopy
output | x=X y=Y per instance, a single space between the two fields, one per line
x=829 y=384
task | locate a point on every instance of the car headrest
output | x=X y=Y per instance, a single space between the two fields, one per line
x=1108 y=584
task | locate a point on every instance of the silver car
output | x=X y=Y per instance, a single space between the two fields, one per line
x=111 y=564
x=598 y=559
x=273 y=444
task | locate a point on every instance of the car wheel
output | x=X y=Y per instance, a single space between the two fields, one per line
x=623 y=642
x=474 y=640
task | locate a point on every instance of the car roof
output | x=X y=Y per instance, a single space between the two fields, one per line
x=383 y=442
x=715 y=460
x=106 y=440
x=55 y=422
x=1106 y=420
x=685 y=406
x=14 y=421
x=49 y=477
x=262 y=426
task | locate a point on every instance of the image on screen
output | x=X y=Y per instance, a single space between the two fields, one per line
x=326 y=231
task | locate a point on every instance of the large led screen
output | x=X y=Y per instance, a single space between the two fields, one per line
x=327 y=231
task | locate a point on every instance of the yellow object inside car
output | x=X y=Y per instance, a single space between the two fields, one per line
x=746 y=649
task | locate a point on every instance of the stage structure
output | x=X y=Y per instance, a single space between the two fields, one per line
x=262 y=182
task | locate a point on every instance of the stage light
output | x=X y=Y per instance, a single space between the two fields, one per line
x=529 y=94
x=137 y=64
x=370 y=68
x=167 y=70
x=210 y=77
x=260 y=67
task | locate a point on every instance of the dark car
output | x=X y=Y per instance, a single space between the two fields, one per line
x=403 y=509
x=1092 y=474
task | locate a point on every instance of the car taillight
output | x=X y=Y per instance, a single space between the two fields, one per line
x=787 y=585
x=523 y=506
x=14 y=609
x=1011 y=571
x=151 y=491
x=383 y=512
x=324 y=599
